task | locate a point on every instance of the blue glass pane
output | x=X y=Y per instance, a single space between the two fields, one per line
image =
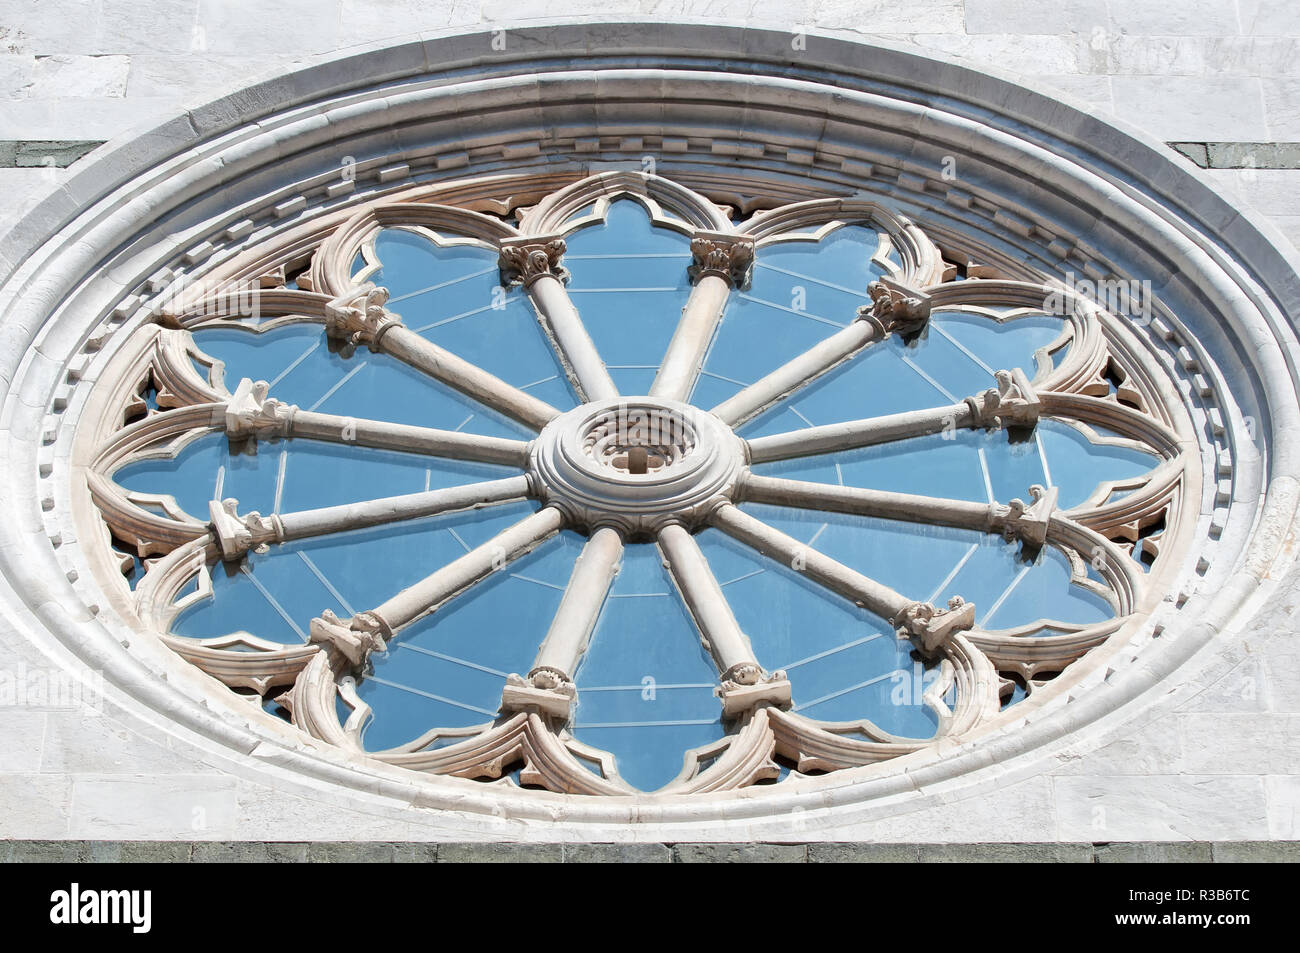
x=297 y=361
x=629 y=282
x=975 y=465
x=448 y=669
x=452 y=295
x=844 y=664
x=954 y=360
x=935 y=563
x=645 y=686
x=801 y=292
x=275 y=595
x=283 y=476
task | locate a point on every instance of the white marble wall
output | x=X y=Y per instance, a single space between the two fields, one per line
x=1217 y=759
x=1185 y=70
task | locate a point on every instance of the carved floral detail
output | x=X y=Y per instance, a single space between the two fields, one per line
x=523 y=262
x=896 y=308
x=730 y=257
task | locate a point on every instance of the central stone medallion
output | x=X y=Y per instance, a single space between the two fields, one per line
x=636 y=463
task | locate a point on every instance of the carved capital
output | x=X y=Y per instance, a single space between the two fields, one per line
x=1028 y=523
x=745 y=686
x=930 y=628
x=250 y=413
x=359 y=316
x=1013 y=403
x=730 y=257
x=896 y=308
x=355 y=638
x=546 y=690
x=236 y=534
x=523 y=261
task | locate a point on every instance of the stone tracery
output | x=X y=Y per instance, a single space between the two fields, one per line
x=692 y=483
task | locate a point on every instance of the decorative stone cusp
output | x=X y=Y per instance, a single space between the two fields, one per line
x=250 y=413
x=359 y=316
x=236 y=534
x=546 y=690
x=1029 y=523
x=1013 y=403
x=745 y=686
x=355 y=638
x=930 y=628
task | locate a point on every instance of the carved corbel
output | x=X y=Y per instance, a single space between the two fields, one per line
x=745 y=686
x=524 y=260
x=250 y=413
x=359 y=316
x=896 y=308
x=931 y=628
x=546 y=690
x=355 y=638
x=236 y=534
x=1028 y=523
x=730 y=257
x=1013 y=403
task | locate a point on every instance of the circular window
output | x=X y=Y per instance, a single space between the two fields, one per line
x=788 y=493
x=659 y=445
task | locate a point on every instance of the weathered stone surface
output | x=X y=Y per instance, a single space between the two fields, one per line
x=24 y=737
x=1256 y=852
x=1026 y=16
x=248 y=852
x=83 y=76
x=1005 y=853
x=739 y=853
x=1230 y=743
x=863 y=853
x=1147 y=853
x=135 y=806
x=617 y=854
x=1140 y=808
x=1164 y=804
x=494 y=853
x=1178 y=108
x=35 y=805
x=360 y=853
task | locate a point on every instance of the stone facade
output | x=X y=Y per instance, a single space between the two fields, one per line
x=1210 y=759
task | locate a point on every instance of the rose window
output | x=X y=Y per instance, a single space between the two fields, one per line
x=630 y=489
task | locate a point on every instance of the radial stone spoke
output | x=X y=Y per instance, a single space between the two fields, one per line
x=361 y=318
x=895 y=308
x=861 y=433
x=370 y=631
x=251 y=413
x=720 y=263
x=549 y=684
x=236 y=534
x=468 y=378
x=535 y=262
x=428 y=594
x=1012 y=403
x=744 y=683
x=929 y=627
x=789 y=377
x=1027 y=522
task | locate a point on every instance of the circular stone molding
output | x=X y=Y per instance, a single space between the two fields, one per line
x=1043 y=192
x=585 y=463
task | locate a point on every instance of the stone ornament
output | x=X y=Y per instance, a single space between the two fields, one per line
x=630 y=468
